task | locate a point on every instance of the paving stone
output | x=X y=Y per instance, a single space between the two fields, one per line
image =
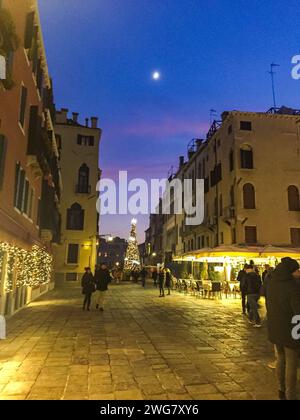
x=142 y=347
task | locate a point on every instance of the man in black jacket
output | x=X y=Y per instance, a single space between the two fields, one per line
x=252 y=287
x=242 y=279
x=102 y=280
x=283 y=304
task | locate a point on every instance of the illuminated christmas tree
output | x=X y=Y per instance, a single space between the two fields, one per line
x=132 y=259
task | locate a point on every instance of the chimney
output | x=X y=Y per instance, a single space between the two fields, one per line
x=75 y=117
x=86 y=122
x=94 y=121
x=181 y=161
x=64 y=114
x=61 y=116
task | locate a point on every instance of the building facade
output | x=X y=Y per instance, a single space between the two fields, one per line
x=79 y=155
x=251 y=170
x=30 y=179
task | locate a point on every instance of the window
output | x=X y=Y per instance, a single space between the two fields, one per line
x=85 y=140
x=71 y=277
x=73 y=253
x=249 y=197
x=203 y=241
x=294 y=199
x=19 y=187
x=26 y=197
x=30 y=203
x=23 y=101
x=2 y=158
x=295 y=236
x=222 y=238
x=207 y=242
x=233 y=236
x=29 y=30
x=199 y=242
x=221 y=205
x=83 y=186
x=192 y=245
x=247 y=157
x=75 y=217
x=251 y=235
x=231 y=160
x=38 y=217
x=246 y=125
x=230 y=129
x=232 y=197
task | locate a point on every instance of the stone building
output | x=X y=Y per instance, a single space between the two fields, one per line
x=30 y=179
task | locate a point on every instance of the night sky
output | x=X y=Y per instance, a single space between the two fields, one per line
x=211 y=54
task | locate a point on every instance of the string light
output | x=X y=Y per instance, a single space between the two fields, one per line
x=32 y=268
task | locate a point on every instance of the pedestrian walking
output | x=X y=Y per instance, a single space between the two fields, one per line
x=88 y=288
x=283 y=303
x=242 y=279
x=253 y=286
x=168 y=280
x=102 y=280
x=143 y=275
x=154 y=277
x=161 y=281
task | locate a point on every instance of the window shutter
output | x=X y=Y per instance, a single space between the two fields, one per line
x=29 y=30
x=2 y=158
x=17 y=178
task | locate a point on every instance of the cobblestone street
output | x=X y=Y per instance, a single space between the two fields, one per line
x=141 y=347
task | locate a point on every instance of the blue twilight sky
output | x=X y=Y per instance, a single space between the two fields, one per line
x=211 y=54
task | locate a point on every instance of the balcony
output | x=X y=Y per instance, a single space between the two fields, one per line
x=83 y=189
x=229 y=215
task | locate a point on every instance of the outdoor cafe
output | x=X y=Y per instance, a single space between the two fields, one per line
x=213 y=272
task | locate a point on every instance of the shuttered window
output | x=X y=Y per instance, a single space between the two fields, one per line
x=29 y=30
x=2 y=158
x=23 y=101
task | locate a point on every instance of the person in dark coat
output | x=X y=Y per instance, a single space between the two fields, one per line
x=102 y=280
x=88 y=288
x=161 y=281
x=253 y=286
x=154 y=277
x=242 y=280
x=168 y=280
x=283 y=304
x=143 y=275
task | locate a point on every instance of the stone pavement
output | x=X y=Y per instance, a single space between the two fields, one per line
x=141 y=347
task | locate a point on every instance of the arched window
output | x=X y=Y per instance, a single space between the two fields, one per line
x=294 y=199
x=83 y=186
x=249 y=197
x=247 y=157
x=75 y=217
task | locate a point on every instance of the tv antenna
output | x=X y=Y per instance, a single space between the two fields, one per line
x=272 y=73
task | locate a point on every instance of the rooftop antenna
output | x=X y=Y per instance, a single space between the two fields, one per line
x=272 y=73
x=213 y=114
